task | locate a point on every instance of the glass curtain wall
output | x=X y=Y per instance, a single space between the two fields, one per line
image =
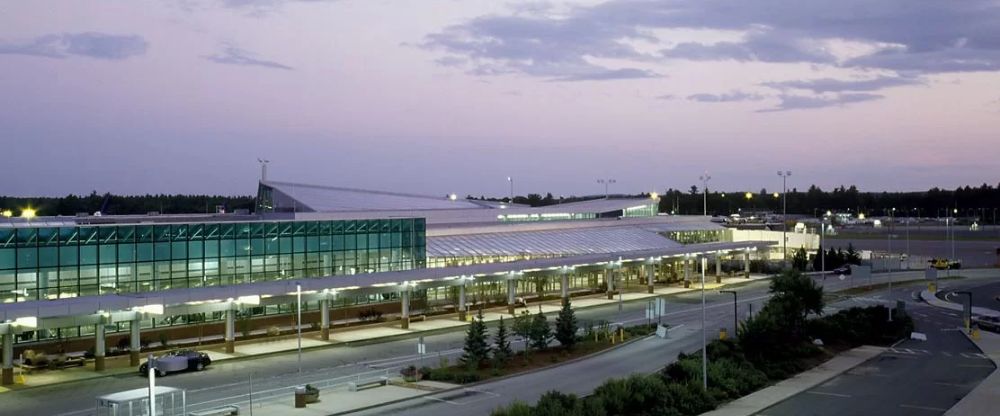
x=65 y=262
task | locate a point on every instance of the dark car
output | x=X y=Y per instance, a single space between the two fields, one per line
x=178 y=360
x=844 y=270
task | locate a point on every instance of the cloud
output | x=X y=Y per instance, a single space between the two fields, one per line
x=666 y=97
x=823 y=85
x=232 y=55
x=922 y=37
x=90 y=44
x=733 y=96
x=608 y=74
x=799 y=102
x=260 y=8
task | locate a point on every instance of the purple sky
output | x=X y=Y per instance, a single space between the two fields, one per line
x=439 y=96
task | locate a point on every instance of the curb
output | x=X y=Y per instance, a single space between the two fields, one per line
x=495 y=379
x=722 y=411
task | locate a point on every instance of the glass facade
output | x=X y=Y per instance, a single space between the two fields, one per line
x=65 y=262
x=700 y=236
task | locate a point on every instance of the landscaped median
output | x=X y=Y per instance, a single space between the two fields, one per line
x=776 y=344
x=482 y=359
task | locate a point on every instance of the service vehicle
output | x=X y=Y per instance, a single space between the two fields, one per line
x=177 y=360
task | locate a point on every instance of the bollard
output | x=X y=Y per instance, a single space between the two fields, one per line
x=722 y=333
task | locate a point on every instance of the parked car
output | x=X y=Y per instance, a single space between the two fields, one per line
x=987 y=323
x=178 y=360
x=844 y=270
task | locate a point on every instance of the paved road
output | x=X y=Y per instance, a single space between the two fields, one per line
x=983 y=295
x=226 y=382
x=912 y=378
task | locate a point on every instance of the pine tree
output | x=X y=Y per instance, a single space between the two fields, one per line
x=502 y=351
x=818 y=261
x=566 y=326
x=476 y=350
x=799 y=260
x=541 y=334
x=522 y=327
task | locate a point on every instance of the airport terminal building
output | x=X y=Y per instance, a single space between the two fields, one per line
x=87 y=281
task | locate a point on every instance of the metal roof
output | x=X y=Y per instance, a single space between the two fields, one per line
x=551 y=242
x=122 y=302
x=320 y=198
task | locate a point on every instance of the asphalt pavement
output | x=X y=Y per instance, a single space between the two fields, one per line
x=911 y=378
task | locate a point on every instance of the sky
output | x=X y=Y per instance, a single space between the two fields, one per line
x=454 y=96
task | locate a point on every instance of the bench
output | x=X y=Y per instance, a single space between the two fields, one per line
x=232 y=410
x=366 y=383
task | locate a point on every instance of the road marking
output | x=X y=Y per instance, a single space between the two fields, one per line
x=974 y=355
x=932 y=409
x=946 y=353
x=828 y=394
x=948 y=384
x=442 y=400
x=975 y=366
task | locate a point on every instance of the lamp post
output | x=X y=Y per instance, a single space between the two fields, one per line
x=704 y=190
x=736 y=317
x=704 y=334
x=298 y=321
x=511 y=181
x=822 y=236
x=606 y=183
x=784 y=214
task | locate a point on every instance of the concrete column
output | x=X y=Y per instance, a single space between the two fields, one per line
x=650 y=276
x=99 y=342
x=405 y=319
x=135 y=332
x=565 y=286
x=230 y=335
x=324 y=319
x=8 y=359
x=746 y=264
x=687 y=273
x=610 y=276
x=511 y=295
x=718 y=268
x=462 y=314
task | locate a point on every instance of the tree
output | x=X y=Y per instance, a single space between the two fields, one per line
x=540 y=334
x=800 y=261
x=476 y=350
x=522 y=327
x=818 y=260
x=795 y=296
x=852 y=256
x=502 y=351
x=566 y=326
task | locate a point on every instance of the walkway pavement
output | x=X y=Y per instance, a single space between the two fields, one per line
x=762 y=399
x=117 y=365
x=983 y=400
x=340 y=400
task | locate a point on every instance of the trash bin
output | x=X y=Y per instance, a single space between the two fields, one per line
x=300 y=397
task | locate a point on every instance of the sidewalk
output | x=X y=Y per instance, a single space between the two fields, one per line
x=116 y=365
x=984 y=398
x=762 y=399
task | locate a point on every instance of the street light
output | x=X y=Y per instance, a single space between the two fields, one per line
x=511 y=180
x=784 y=216
x=704 y=334
x=736 y=318
x=606 y=183
x=298 y=321
x=704 y=190
x=28 y=213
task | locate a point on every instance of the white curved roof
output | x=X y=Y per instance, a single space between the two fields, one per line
x=550 y=242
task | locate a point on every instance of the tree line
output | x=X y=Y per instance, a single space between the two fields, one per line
x=112 y=204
